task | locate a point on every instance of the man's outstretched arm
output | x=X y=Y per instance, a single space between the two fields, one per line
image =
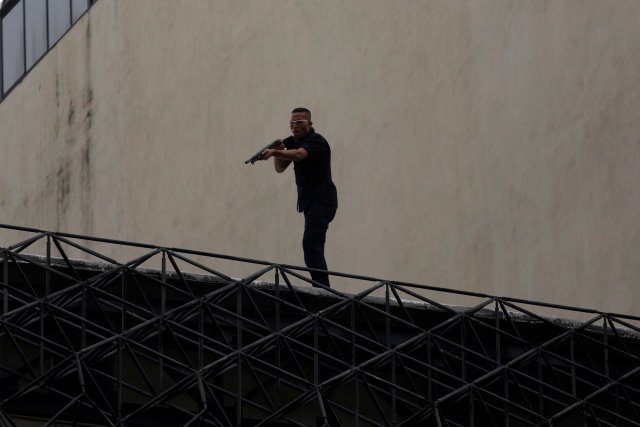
x=283 y=158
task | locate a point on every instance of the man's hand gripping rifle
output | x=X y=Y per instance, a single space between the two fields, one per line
x=275 y=145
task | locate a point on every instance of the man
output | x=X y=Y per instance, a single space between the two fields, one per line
x=317 y=195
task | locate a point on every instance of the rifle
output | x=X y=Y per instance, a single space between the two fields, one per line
x=259 y=156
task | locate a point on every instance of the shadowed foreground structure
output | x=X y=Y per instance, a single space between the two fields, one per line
x=168 y=338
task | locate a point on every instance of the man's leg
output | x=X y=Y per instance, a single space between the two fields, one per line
x=316 y=223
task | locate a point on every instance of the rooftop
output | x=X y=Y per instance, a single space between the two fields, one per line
x=95 y=341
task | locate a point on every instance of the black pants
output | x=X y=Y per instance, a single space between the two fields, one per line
x=316 y=223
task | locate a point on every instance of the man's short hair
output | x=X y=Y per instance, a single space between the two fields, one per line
x=302 y=110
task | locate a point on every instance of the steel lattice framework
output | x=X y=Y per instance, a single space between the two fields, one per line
x=106 y=342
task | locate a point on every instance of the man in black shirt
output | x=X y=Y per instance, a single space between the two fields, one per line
x=317 y=195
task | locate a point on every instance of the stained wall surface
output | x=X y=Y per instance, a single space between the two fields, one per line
x=490 y=146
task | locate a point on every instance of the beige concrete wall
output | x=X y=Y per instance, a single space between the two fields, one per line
x=490 y=146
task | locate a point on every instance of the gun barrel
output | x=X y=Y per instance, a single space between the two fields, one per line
x=258 y=155
x=254 y=158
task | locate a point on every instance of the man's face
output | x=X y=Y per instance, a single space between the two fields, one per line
x=300 y=124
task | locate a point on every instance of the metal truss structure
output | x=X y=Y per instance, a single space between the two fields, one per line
x=167 y=338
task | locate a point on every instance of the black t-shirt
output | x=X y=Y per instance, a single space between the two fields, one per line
x=313 y=174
